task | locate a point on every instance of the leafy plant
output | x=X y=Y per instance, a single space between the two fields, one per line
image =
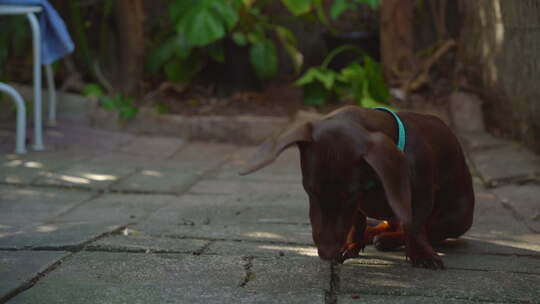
x=16 y=43
x=120 y=103
x=340 y=6
x=363 y=83
x=200 y=27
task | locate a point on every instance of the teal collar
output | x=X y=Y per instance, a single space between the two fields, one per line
x=402 y=134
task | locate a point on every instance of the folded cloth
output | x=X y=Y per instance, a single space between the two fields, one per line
x=55 y=39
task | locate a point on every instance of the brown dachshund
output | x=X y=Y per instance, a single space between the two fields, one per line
x=352 y=168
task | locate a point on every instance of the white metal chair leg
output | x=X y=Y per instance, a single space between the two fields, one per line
x=20 y=144
x=51 y=99
x=38 y=128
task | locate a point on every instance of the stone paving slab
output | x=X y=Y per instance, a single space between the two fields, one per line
x=524 y=201
x=476 y=141
x=22 y=207
x=70 y=136
x=287 y=163
x=85 y=174
x=380 y=299
x=160 y=180
x=496 y=286
x=230 y=187
x=258 y=249
x=19 y=267
x=291 y=280
x=517 y=163
x=454 y=260
x=140 y=162
x=95 y=277
x=153 y=146
x=293 y=234
x=55 y=236
x=204 y=153
x=255 y=208
x=116 y=208
x=496 y=231
x=273 y=217
x=143 y=243
x=262 y=176
x=23 y=169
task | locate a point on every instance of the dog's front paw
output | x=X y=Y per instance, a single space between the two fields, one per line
x=429 y=261
x=351 y=251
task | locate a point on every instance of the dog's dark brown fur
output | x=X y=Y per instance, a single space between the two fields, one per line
x=352 y=170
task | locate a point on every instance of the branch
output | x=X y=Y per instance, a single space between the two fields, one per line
x=422 y=76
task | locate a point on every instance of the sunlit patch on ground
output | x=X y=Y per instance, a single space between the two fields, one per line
x=18 y=162
x=83 y=179
x=74 y=179
x=32 y=164
x=46 y=228
x=2 y=226
x=152 y=173
x=266 y=235
x=307 y=251
x=100 y=177
x=13 y=163
x=13 y=179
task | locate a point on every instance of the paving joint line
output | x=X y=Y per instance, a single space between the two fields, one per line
x=331 y=295
x=249 y=274
x=515 y=214
x=230 y=240
x=34 y=280
x=89 y=189
x=397 y=294
x=203 y=249
x=30 y=283
x=68 y=210
x=122 y=178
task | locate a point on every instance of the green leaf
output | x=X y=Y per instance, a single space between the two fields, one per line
x=298 y=7
x=108 y=103
x=227 y=12
x=179 y=8
x=206 y=21
x=315 y=94
x=239 y=38
x=338 y=7
x=93 y=89
x=374 y=4
x=159 y=56
x=127 y=111
x=201 y=27
x=288 y=40
x=322 y=75
x=377 y=86
x=257 y=34
x=263 y=57
x=352 y=73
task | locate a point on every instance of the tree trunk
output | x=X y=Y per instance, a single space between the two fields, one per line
x=129 y=17
x=397 y=37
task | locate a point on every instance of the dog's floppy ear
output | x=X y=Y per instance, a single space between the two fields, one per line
x=391 y=166
x=273 y=146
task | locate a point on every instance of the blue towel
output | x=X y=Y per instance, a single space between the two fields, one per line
x=55 y=39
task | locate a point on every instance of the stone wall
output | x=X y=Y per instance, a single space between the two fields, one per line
x=500 y=54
